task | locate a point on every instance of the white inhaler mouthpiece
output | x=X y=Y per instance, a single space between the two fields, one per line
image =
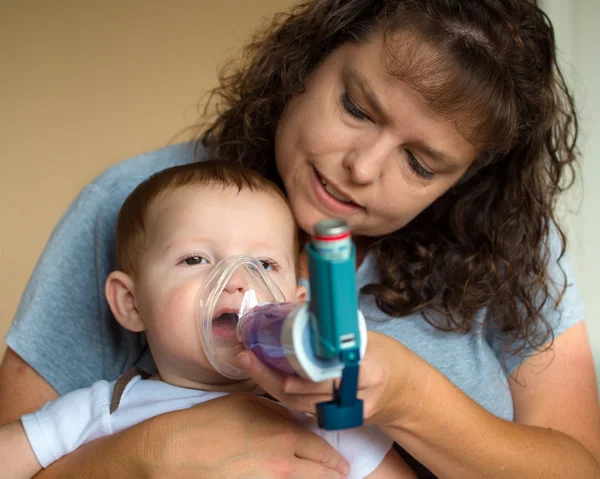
x=235 y=286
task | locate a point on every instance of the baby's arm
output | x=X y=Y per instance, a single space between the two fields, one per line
x=393 y=467
x=16 y=456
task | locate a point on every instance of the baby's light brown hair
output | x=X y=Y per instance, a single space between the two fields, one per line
x=133 y=222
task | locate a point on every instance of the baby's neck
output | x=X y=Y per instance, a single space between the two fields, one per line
x=247 y=385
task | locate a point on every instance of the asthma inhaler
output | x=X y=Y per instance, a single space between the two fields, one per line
x=324 y=338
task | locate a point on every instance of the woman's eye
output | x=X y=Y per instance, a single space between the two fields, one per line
x=194 y=260
x=352 y=109
x=417 y=169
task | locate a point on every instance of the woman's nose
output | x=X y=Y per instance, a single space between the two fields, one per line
x=365 y=161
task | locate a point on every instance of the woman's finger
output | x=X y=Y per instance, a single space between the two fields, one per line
x=268 y=379
x=272 y=382
x=312 y=470
x=312 y=454
x=296 y=385
x=313 y=451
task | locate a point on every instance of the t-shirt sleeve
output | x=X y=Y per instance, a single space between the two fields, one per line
x=63 y=325
x=561 y=317
x=65 y=424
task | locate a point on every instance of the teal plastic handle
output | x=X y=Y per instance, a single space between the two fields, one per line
x=334 y=304
x=335 y=334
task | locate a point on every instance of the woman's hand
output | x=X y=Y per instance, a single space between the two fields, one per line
x=236 y=436
x=241 y=436
x=385 y=374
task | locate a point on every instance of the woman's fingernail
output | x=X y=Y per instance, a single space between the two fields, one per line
x=289 y=386
x=244 y=361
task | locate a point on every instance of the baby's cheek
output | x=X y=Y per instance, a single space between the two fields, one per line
x=180 y=304
x=174 y=295
x=291 y=292
x=173 y=309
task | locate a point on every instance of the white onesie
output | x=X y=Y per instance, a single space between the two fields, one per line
x=63 y=425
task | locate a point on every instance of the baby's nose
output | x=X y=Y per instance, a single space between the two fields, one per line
x=237 y=283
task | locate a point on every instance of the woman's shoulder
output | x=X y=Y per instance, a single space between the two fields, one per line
x=62 y=323
x=123 y=177
x=101 y=199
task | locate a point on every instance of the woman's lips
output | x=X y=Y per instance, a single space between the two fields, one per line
x=328 y=201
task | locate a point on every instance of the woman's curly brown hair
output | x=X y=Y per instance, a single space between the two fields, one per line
x=490 y=66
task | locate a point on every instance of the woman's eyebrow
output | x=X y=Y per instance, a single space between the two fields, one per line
x=352 y=75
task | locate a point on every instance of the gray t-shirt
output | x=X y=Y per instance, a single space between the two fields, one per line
x=64 y=328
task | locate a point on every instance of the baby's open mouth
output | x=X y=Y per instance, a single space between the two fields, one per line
x=224 y=325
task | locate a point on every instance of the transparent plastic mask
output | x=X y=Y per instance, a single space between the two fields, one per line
x=235 y=286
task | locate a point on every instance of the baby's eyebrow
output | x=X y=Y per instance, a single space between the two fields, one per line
x=178 y=242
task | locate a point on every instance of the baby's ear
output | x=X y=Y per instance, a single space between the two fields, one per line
x=119 y=290
x=301 y=293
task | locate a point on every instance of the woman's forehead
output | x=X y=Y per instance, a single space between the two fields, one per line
x=393 y=102
x=460 y=94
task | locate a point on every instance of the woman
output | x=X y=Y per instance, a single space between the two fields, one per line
x=443 y=132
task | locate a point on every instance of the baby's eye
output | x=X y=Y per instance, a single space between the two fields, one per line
x=194 y=259
x=268 y=265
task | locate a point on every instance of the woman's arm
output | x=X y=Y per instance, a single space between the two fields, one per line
x=22 y=390
x=557 y=414
x=557 y=428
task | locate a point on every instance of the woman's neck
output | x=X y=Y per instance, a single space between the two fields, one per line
x=362 y=245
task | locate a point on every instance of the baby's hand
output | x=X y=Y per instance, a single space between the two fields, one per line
x=16 y=456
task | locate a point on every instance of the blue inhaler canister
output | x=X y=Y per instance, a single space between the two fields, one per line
x=332 y=240
x=331 y=272
x=334 y=318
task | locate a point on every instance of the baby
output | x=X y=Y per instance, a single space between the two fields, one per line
x=171 y=231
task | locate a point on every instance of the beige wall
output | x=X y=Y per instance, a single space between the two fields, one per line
x=85 y=84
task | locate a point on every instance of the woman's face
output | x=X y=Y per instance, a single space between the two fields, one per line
x=361 y=145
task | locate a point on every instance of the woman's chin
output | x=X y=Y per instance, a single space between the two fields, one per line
x=307 y=217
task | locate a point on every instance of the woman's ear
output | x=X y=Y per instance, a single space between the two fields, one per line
x=119 y=291
x=301 y=293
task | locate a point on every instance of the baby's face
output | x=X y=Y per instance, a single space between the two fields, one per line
x=190 y=230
